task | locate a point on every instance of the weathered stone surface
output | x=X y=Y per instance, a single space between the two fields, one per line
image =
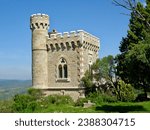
x=79 y=49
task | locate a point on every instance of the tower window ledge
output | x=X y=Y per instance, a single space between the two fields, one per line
x=63 y=79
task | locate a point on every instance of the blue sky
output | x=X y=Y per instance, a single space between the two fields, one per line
x=98 y=17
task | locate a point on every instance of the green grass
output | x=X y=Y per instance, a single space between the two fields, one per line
x=65 y=109
x=124 y=107
x=33 y=103
x=120 y=107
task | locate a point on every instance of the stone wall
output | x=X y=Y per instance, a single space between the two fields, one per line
x=53 y=60
x=75 y=93
x=78 y=48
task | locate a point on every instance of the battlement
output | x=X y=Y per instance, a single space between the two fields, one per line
x=79 y=34
x=39 y=15
x=39 y=21
x=72 y=39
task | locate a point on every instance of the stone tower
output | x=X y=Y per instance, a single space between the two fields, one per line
x=59 y=60
x=39 y=25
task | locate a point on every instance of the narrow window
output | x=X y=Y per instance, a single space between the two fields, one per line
x=65 y=71
x=60 y=71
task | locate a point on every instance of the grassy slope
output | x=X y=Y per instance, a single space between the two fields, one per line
x=120 y=107
x=125 y=107
x=105 y=107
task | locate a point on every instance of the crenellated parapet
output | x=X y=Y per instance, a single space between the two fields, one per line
x=73 y=39
x=39 y=21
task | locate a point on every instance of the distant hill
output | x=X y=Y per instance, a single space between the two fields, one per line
x=8 y=88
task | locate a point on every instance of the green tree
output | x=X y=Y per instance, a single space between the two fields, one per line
x=138 y=59
x=104 y=68
x=133 y=64
x=101 y=71
x=88 y=82
x=124 y=92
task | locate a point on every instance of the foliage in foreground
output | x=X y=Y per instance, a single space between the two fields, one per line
x=34 y=101
x=122 y=107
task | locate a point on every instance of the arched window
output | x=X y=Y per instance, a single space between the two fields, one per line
x=62 y=69
x=65 y=71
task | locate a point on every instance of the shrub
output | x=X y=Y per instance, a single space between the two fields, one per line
x=32 y=106
x=6 y=106
x=58 y=99
x=95 y=97
x=24 y=103
x=124 y=92
x=98 y=97
x=88 y=83
x=141 y=97
x=36 y=93
x=81 y=101
x=109 y=98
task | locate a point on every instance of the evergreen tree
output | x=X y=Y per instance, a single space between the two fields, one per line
x=133 y=64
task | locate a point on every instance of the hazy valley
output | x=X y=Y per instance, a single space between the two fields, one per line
x=8 y=88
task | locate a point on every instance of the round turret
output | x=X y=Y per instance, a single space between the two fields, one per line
x=39 y=25
x=39 y=21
